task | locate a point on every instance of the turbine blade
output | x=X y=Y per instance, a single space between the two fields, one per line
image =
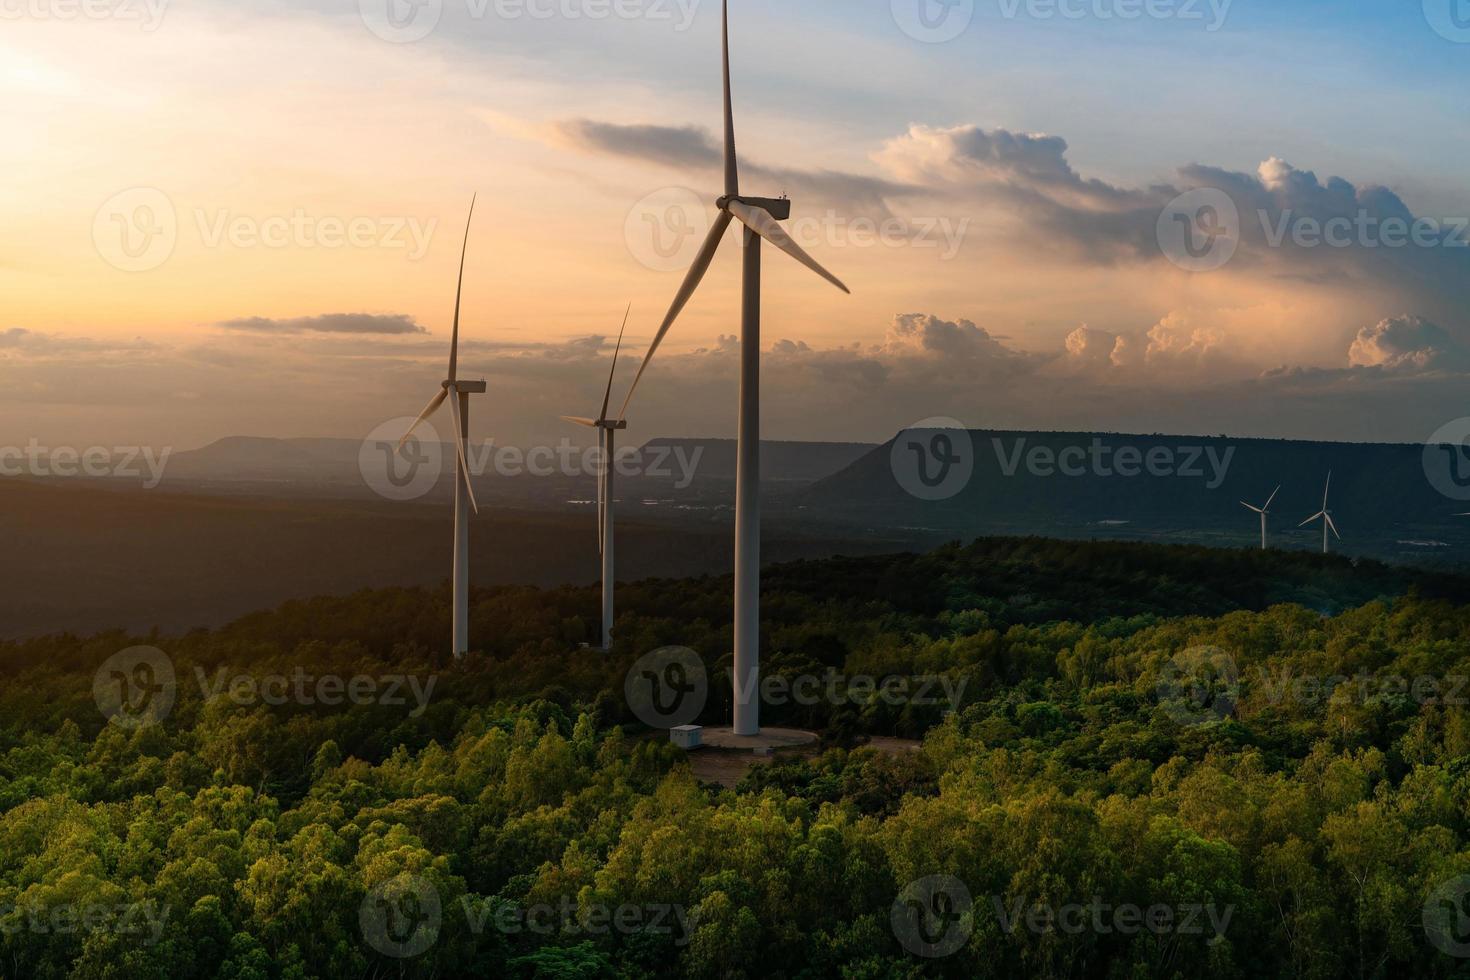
x=589 y=423
x=616 y=351
x=691 y=283
x=459 y=294
x=434 y=404
x=732 y=171
x=464 y=464
x=1332 y=525
x=1272 y=497
x=1251 y=507
x=760 y=221
x=1311 y=519
x=1326 y=490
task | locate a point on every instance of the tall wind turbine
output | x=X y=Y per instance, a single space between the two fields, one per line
x=761 y=217
x=464 y=494
x=1263 y=511
x=606 y=428
x=1325 y=516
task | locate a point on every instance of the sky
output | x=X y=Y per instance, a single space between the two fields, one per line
x=1192 y=216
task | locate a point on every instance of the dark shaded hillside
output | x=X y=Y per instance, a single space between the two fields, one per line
x=1383 y=501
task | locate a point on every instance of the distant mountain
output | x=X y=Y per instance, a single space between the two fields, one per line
x=1116 y=485
x=795 y=462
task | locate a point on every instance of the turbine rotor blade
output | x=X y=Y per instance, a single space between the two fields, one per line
x=732 y=170
x=589 y=423
x=616 y=351
x=1251 y=507
x=1272 y=497
x=433 y=407
x=760 y=221
x=1326 y=490
x=1311 y=519
x=464 y=464
x=1332 y=525
x=459 y=294
x=691 y=282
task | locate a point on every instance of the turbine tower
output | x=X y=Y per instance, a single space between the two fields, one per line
x=464 y=494
x=1325 y=516
x=606 y=428
x=1263 y=511
x=761 y=218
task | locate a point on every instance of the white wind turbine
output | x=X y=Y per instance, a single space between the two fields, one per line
x=606 y=428
x=1325 y=516
x=1263 y=511
x=761 y=217
x=464 y=494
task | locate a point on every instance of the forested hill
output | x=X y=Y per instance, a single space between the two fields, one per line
x=1116 y=728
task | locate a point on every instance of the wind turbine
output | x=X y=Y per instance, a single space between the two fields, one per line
x=1263 y=511
x=606 y=427
x=761 y=217
x=464 y=494
x=1325 y=515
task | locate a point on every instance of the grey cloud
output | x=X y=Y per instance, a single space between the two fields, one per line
x=693 y=146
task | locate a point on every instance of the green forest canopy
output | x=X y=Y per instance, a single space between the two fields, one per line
x=237 y=838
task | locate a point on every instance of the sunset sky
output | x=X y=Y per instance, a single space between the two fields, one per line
x=305 y=181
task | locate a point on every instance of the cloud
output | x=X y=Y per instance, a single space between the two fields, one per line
x=333 y=323
x=1027 y=178
x=685 y=147
x=1407 y=342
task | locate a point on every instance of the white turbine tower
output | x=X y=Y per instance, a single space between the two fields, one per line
x=1325 y=516
x=606 y=428
x=1263 y=511
x=761 y=217
x=464 y=494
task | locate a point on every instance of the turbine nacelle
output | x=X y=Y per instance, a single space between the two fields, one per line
x=777 y=207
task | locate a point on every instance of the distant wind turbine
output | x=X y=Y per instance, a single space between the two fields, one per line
x=761 y=218
x=1263 y=511
x=606 y=427
x=1325 y=516
x=464 y=494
